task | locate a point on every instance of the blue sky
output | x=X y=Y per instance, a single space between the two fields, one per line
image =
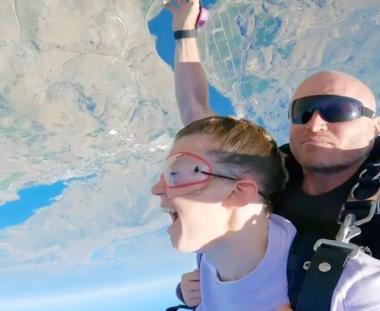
x=145 y=296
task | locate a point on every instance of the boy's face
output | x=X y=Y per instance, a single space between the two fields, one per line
x=197 y=202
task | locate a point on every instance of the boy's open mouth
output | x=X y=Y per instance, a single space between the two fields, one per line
x=173 y=214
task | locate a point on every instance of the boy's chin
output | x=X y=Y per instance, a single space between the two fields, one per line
x=184 y=247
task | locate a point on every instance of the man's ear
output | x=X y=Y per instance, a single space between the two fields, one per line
x=243 y=192
x=377 y=125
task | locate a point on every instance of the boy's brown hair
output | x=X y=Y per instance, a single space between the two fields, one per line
x=245 y=149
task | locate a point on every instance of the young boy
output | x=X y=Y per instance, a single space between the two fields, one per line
x=217 y=185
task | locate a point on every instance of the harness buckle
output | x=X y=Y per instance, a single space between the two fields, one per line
x=369 y=178
x=347 y=231
x=338 y=244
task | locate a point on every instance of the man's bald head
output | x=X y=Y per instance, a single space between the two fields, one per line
x=336 y=83
x=340 y=145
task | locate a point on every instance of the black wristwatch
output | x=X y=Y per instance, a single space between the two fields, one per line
x=183 y=34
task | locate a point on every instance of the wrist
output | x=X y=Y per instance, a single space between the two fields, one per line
x=187 y=50
x=183 y=27
x=188 y=44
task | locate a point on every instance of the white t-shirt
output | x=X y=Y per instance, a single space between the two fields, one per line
x=265 y=288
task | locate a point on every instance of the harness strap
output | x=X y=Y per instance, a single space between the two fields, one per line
x=299 y=258
x=180 y=307
x=322 y=277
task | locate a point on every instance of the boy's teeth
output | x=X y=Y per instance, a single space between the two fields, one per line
x=168 y=210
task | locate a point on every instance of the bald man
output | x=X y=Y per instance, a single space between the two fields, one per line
x=332 y=138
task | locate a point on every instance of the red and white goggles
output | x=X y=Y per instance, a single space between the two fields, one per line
x=185 y=169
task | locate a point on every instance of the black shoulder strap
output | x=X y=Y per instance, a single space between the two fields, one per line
x=285 y=148
x=300 y=255
x=179 y=307
x=291 y=164
x=321 y=278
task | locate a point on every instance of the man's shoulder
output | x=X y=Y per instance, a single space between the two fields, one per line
x=285 y=148
x=362 y=265
x=359 y=284
x=374 y=156
x=290 y=161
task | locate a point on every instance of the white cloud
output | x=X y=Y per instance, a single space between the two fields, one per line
x=126 y=297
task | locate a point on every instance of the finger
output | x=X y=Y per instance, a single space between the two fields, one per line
x=193 y=286
x=284 y=308
x=194 y=300
x=191 y=277
x=169 y=6
x=180 y=2
x=193 y=303
x=194 y=296
x=194 y=276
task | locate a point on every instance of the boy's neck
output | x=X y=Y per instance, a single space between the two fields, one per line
x=240 y=251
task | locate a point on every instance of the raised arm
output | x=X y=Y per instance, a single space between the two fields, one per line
x=191 y=84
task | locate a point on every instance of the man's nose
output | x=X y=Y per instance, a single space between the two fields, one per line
x=316 y=123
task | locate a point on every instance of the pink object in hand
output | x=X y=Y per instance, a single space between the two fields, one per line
x=202 y=17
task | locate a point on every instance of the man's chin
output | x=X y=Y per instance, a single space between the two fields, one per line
x=315 y=145
x=323 y=167
x=318 y=164
x=318 y=151
x=313 y=161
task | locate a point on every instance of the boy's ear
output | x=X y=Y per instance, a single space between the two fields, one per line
x=244 y=192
